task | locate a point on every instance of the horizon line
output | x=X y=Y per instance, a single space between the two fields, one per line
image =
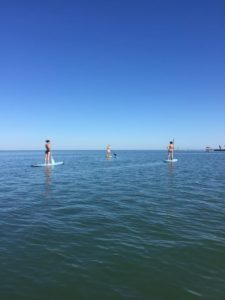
x=185 y=149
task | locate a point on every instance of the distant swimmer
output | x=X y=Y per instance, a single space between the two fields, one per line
x=108 y=151
x=170 y=150
x=115 y=155
x=47 y=152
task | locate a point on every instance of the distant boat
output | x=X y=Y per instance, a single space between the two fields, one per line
x=209 y=149
x=219 y=150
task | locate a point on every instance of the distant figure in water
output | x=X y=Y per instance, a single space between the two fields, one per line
x=170 y=150
x=115 y=155
x=108 y=151
x=47 y=151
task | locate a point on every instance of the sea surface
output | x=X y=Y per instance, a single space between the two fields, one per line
x=132 y=227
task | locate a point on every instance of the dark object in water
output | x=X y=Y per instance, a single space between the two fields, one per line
x=209 y=149
x=220 y=148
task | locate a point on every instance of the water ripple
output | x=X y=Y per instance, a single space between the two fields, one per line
x=128 y=228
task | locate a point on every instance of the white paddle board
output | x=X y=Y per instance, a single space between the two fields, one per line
x=171 y=160
x=49 y=165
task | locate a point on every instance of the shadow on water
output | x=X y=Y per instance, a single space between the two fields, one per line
x=171 y=168
x=48 y=179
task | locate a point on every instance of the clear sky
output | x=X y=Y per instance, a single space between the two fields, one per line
x=132 y=73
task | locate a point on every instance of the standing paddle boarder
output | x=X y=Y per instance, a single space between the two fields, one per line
x=170 y=150
x=108 y=151
x=47 y=152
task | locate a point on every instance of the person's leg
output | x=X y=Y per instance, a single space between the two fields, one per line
x=46 y=157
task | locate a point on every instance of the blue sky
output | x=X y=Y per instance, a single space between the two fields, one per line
x=131 y=73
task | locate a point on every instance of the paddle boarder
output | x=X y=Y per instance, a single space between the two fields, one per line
x=170 y=150
x=47 y=151
x=108 y=151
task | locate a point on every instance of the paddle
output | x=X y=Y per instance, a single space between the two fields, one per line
x=52 y=159
x=173 y=148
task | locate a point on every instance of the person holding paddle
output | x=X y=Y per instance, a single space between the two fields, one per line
x=108 y=151
x=47 y=152
x=170 y=150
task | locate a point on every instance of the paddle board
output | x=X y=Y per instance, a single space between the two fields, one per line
x=171 y=160
x=49 y=165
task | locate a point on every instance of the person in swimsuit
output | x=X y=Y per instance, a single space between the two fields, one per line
x=170 y=150
x=108 y=151
x=47 y=152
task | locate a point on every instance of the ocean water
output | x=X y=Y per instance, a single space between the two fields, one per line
x=132 y=227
